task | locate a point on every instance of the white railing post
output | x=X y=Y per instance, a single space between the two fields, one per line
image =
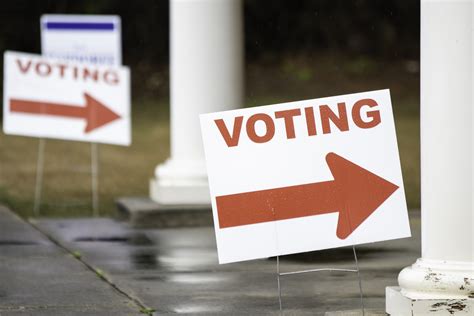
x=442 y=280
x=206 y=76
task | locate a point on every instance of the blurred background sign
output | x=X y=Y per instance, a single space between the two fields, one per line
x=46 y=97
x=94 y=39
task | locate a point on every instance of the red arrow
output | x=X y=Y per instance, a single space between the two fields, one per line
x=95 y=113
x=355 y=193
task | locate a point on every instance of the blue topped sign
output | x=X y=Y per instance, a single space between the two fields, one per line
x=92 y=39
x=79 y=26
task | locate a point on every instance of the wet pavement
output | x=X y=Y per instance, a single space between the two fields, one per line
x=39 y=278
x=175 y=270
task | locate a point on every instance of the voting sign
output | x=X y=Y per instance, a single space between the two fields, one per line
x=50 y=98
x=304 y=176
x=92 y=39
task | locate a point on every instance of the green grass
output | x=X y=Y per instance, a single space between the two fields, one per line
x=125 y=171
x=147 y=311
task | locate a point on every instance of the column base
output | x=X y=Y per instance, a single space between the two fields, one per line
x=179 y=194
x=397 y=304
x=180 y=183
x=433 y=287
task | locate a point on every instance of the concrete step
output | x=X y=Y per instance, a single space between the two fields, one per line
x=142 y=212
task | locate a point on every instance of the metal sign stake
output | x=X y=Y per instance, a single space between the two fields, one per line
x=94 y=172
x=278 y=280
x=39 y=176
x=95 y=179
x=357 y=270
x=360 y=281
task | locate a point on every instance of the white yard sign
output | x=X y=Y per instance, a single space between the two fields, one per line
x=51 y=98
x=92 y=39
x=302 y=176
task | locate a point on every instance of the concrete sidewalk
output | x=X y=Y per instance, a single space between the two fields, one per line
x=37 y=277
x=175 y=270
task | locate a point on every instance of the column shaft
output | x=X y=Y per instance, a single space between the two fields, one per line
x=206 y=76
x=446 y=130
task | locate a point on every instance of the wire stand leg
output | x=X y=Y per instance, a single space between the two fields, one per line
x=279 y=285
x=95 y=179
x=39 y=177
x=360 y=281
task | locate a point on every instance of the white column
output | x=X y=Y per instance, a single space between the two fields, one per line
x=442 y=281
x=206 y=76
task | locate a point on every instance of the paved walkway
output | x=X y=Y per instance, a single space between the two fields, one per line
x=39 y=278
x=176 y=271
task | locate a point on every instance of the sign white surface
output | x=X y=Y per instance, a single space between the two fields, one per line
x=303 y=176
x=83 y=38
x=51 y=98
